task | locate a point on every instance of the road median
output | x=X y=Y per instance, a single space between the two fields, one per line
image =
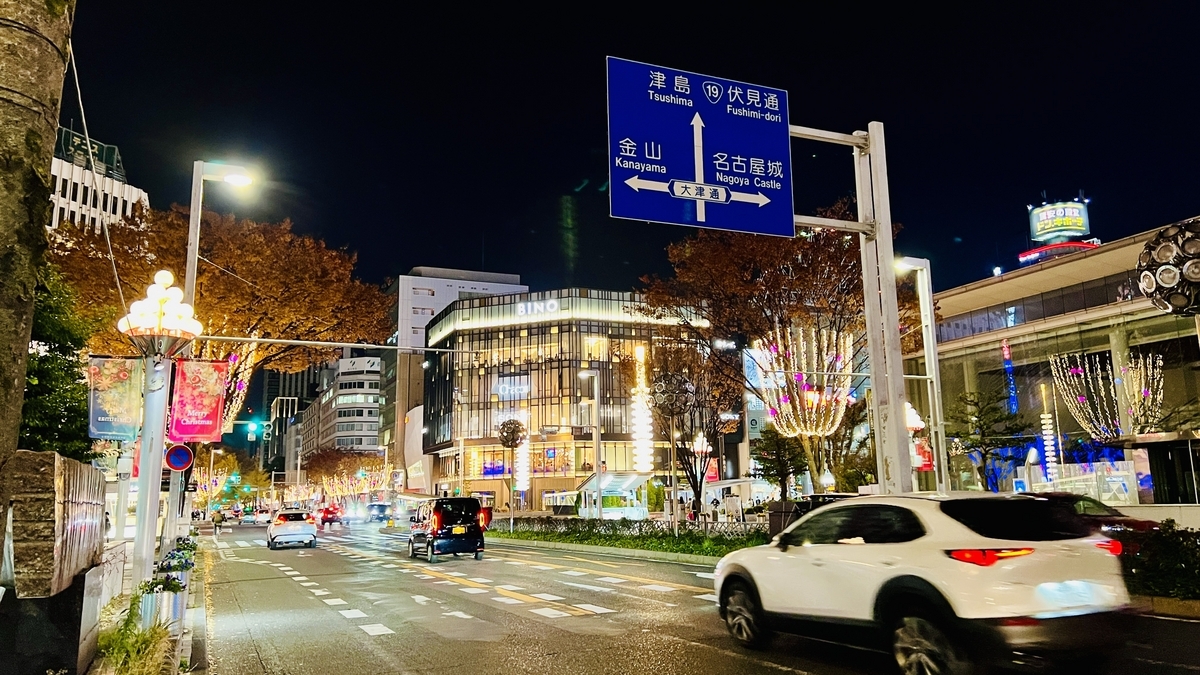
x=636 y=553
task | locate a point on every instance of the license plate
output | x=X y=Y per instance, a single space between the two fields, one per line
x=1069 y=594
x=458 y=529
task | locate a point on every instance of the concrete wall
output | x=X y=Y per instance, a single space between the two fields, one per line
x=1187 y=515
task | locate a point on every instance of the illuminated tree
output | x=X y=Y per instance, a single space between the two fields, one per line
x=255 y=280
x=993 y=438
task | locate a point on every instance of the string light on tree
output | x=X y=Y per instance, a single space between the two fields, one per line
x=1089 y=392
x=811 y=372
x=641 y=421
x=1049 y=449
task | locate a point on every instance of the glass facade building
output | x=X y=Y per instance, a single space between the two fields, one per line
x=520 y=357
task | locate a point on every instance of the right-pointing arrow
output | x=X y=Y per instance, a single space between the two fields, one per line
x=639 y=184
x=759 y=198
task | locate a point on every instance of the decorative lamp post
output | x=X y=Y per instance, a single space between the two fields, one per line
x=513 y=436
x=641 y=422
x=673 y=396
x=160 y=326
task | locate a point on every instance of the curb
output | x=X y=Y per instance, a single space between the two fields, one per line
x=636 y=553
x=1174 y=607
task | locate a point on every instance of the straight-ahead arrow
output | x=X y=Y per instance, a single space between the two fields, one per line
x=698 y=147
x=760 y=198
x=641 y=184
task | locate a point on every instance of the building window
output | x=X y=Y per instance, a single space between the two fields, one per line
x=63 y=188
x=105 y=207
x=74 y=192
x=423 y=291
x=422 y=311
x=95 y=199
x=62 y=215
x=53 y=184
x=125 y=206
x=72 y=217
x=85 y=195
x=115 y=205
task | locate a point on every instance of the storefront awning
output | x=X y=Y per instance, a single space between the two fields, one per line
x=615 y=483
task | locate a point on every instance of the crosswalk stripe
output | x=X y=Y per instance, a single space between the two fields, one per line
x=549 y=612
x=376 y=629
x=222 y=544
x=707 y=596
x=242 y=544
x=596 y=609
x=261 y=542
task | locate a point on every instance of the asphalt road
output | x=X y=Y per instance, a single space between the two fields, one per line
x=358 y=604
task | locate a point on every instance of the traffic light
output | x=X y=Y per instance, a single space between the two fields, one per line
x=253 y=426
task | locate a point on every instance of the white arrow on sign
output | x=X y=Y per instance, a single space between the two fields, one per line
x=698 y=146
x=760 y=198
x=639 y=184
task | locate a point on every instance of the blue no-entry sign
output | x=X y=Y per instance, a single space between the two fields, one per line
x=696 y=150
x=178 y=457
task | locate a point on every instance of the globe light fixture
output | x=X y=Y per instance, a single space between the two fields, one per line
x=162 y=324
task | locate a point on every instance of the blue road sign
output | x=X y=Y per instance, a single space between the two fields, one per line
x=689 y=149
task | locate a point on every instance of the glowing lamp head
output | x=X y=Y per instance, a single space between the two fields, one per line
x=238 y=179
x=164 y=278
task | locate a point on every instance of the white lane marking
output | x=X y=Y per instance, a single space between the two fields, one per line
x=549 y=612
x=293 y=573
x=574 y=573
x=261 y=542
x=391 y=566
x=461 y=615
x=596 y=609
x=352 y=613
x=455 y=574
x=299 y=578
x=705 y=575
x=611 y=580
x=335 y=601
x=549 y=597
x=658 y=587
x=508 y=601
x=514 y=562
x=510 y=587
x=279 y=565
x=242 y=544
x=222 y=544
x=424 y=576
x=330 y=537
x=446 y=582
x=319 y=591
x=402 y=571
x=474 y=591
x=376 y=629
x=310 y=583
x=599 y=589
x=420 y=599
x=432 y=568
x=541 y=567
x=480 y=580
x=707 y=596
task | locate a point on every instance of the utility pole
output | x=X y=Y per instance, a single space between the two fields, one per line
x=34 y=44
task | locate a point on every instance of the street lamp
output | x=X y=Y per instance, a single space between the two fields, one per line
x=933 y=375
x=595 y=375
x=160 y=327
x=202 y=171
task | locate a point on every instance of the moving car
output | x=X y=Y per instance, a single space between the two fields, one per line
x=331 y=514
x=447 y=525
x=945 y=583
x=379 y=511
x=292 y=526
x=262 y=517
x=1102 y=516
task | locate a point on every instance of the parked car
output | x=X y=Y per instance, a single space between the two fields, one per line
x=331 y=514
x=292 y=526
x=943 y=582
x=1102 y=516
x=262 y=517
x=812 y=502
x=447 y=525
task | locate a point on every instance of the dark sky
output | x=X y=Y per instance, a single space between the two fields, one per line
x=450 y=139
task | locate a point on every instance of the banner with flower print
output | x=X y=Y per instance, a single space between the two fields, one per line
x=198 y=400
x=114 y=398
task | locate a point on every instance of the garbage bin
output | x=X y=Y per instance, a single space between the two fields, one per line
x=780 y=515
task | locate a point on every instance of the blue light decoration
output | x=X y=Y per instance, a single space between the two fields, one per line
x=1006 y=352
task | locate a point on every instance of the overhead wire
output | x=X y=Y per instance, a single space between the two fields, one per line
x=92 y=167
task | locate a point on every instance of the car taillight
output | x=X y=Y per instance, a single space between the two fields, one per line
x=482 y=524
x=310 y=520
x=986 y=557
x=279 y=521
x=436 y=522
x=1111 y=545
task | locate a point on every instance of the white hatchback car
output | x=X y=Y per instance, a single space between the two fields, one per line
x=292 y=526
x=946 y=583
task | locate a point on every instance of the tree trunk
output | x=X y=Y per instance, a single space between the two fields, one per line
x=811 y=445
x=33 y=59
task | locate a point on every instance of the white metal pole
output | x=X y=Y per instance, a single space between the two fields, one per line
x=674 y=488
x=154 y=420
x=599 y=458
x=122 y=493
x=193 y=241
x=937 y=418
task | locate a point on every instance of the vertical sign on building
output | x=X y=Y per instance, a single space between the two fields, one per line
x=697 y=150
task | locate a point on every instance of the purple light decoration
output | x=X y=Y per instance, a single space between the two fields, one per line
x=1083 y=399
x=807 y=387
x=241 y=385
x=799 y=377
x=1077 y=371
x=233 y=358
x=774 y=349
x=1145 y=392
x=774 y=412
x=785 y=399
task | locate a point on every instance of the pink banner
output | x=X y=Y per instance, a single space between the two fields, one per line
x=198 y=401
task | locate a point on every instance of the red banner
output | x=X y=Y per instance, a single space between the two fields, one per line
x=198 y=401
x=711 y=475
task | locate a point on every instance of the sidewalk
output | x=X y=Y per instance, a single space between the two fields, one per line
x=635 y=553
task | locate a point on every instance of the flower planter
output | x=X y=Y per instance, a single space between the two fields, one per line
x=150 y=608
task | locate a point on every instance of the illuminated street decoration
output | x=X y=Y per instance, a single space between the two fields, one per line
x=1090 y=390
x=521 y=466
x=1006 y=352
x=812 y=370
x=641 y=423
x=1049 y=449
x=1143 y=383
x=1168 y=269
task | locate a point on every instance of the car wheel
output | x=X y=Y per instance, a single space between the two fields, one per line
x=921 y=647
x=312 y=544
x=271 y=544
x=479 y=555
x=429 y=556
x=412 y=550
x=743 y=617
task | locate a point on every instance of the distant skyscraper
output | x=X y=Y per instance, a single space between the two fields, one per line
x=83 y=197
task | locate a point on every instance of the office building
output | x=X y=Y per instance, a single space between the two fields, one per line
x=87 y=198
x=345 y=414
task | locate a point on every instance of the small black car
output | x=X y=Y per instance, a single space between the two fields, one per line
x=446 y=525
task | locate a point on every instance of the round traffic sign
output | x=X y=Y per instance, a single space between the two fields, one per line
x=178 y=457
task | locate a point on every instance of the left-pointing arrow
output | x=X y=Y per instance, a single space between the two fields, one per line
x=641 y=184
x=759 y=198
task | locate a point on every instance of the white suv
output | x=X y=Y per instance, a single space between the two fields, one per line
x=292 y=526
x=946 y=583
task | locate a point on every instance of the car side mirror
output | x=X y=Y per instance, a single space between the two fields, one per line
x=781 y=541
x=412 y=519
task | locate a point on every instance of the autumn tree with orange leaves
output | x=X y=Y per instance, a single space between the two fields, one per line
x=255 y=280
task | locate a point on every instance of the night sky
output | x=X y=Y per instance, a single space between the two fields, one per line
x=469 y=138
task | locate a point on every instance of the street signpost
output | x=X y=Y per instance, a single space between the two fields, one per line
x=703 y=151
x=697 y=150
x=178 y=457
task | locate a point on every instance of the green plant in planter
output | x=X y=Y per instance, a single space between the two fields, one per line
x=163 y=584
x=132 y=651
x=186 y=544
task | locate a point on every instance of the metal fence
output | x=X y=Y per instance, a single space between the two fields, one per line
x=632 y=528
